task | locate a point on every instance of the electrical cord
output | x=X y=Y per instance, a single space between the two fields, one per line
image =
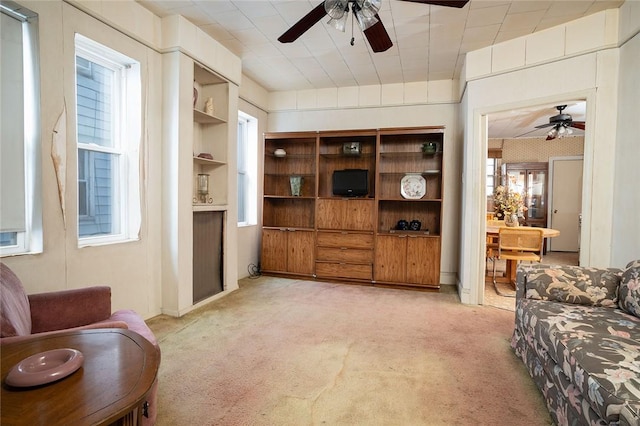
x=254 y=271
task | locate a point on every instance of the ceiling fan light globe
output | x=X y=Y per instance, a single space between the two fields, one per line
x=369 y=8
x=365 y=22
x=339 y=24
x=336 y=9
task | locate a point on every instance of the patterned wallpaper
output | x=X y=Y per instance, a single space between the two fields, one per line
x=537 y=149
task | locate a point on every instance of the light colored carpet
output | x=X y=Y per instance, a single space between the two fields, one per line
x=289 y=352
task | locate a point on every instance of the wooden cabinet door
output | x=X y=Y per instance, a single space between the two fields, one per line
x=390 y=265
x=358 y=215
x=300 y=252
x=347 y=214
x=274 y=250
x=423 y=260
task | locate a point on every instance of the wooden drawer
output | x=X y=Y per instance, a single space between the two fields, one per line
x=345 y=239
x=343 y=254
x=343 y=270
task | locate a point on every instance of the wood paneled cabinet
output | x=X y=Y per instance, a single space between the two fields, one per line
x=288 y=251
x=288 y=218
x=408 y=259
x=355 y=238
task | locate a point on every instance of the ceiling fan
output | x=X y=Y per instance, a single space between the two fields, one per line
x=561 y=124
x=366 y=13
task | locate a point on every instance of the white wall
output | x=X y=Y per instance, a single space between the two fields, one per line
x=585 y=67
x=253 y=101
x=626 y=192
x=250 y=236
x=131 y=269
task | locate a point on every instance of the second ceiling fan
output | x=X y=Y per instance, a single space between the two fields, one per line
x=366 y=13
x=561 y=124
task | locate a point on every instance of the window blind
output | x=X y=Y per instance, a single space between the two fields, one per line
x=12 y=171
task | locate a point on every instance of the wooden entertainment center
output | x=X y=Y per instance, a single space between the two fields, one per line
x=355 y=239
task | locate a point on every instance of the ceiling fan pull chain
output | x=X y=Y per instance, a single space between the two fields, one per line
x=353 y=40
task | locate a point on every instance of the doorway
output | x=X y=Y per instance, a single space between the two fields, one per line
x=521 y=136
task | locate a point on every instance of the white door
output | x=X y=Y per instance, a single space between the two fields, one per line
x=566 y=203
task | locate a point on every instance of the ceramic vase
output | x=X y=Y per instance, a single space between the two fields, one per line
x=296 y=185
x=511 y=219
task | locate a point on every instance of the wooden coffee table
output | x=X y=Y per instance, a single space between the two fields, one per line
x=112 y=385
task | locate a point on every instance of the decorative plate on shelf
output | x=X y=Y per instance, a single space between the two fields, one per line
x=413 y=186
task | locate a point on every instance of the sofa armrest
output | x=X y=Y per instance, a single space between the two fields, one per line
x=69 y=308
x=630 y=414
x=569 y=284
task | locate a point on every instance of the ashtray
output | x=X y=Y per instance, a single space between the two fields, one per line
x=45 y=367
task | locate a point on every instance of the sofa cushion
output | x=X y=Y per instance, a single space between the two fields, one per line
x=597 y=347
x=629 y=293
x=15 y=311
x=574 y=284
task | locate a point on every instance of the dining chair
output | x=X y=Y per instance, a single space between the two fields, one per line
x=492 y=241
x=517 y=244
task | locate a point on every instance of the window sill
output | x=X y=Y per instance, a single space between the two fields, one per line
x=97 y=242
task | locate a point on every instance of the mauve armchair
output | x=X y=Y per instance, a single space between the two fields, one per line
x=22 y=316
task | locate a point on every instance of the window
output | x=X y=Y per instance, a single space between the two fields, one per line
x=20 y=165
x=108 y=137
x=247 y=169
x=491 y=175
x=494 y=162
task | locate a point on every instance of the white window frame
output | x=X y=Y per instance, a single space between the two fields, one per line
x=248 y=143
x=126 y=131
x=29 y=241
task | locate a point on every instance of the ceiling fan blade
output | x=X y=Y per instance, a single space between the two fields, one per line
x=542 y=126
x=577 y=124
x=378 y=36
x=525 y=133
x=446 y=3
x=300 y=27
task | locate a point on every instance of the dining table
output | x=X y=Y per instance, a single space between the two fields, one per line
x=511 y=266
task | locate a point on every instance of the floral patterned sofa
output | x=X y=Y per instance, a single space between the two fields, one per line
x=577 y=329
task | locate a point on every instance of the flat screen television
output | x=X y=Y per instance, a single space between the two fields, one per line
x=351 y=182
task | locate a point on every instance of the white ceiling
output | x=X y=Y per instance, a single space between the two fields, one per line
x=429 y=42
x=522 y=122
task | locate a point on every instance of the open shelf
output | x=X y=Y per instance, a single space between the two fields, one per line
x=208 y=162
x=204 y=118
x=354 y=238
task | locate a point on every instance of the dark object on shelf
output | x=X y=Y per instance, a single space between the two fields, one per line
x=351 y=148
x=205 y=155
x=429 y=148
x=402 y=225
x=351 y=182
x=415 y=225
